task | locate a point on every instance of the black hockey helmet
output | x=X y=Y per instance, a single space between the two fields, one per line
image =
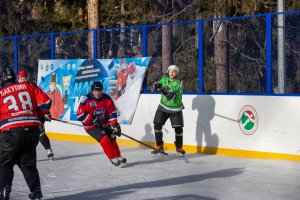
x=97 y=85
x=8 y=76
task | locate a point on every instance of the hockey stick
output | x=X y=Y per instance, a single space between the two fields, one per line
x=142 y=143
x=123 y=134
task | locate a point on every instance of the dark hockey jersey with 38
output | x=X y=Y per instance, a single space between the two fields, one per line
x=21 y=105
x=104 y=108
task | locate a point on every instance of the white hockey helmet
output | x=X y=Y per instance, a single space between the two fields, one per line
x=173 y=67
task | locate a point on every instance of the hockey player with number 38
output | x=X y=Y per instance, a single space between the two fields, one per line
x=22 y=105
x=170 y=106
x=98 y=114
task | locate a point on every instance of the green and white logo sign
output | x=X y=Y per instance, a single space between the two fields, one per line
x=248 y=120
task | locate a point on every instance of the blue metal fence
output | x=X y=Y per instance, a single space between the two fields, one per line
x=238 y=55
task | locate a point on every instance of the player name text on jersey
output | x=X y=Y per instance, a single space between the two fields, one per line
x=12 y=88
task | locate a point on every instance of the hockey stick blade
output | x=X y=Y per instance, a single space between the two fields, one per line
x=164 y=153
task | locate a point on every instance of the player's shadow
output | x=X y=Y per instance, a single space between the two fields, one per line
x=184 y=197
x=118 y=191
x=149 y=136
x=162 y=158
x=205 y=105
x=71 y=156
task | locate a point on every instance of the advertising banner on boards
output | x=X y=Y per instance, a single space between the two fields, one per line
x=65 y=81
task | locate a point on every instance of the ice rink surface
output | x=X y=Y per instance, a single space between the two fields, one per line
x=81 y=171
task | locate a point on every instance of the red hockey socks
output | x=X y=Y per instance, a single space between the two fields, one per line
x=108 y=147
x=116 y=148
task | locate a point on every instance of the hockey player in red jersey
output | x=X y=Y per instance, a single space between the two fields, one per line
x=98 y=115
x=44 y=140
x=21 y=106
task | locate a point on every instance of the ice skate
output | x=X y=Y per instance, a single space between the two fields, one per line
x=180 y=152
x=36 y=196
x=115 y=162
x=50 y=154
x=159 y=150
x=123 y=161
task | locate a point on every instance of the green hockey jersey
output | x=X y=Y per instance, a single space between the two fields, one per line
x=175 y=87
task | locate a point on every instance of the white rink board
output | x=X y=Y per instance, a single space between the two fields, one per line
x=212 y=120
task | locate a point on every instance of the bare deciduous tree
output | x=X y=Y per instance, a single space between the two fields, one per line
x=167 y=37
x=221 y=48
x=93 y=22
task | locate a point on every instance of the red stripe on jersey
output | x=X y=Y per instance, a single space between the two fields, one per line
x=19 y=124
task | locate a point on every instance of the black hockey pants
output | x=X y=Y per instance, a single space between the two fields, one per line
x=18 y=146
x=176 y=119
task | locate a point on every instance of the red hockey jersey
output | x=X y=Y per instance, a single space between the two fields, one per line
x=21 y=105
x=104 y=108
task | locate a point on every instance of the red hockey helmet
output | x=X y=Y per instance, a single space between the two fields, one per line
x=22 y=74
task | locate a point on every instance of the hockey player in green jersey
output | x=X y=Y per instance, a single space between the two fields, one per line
x=171 y=107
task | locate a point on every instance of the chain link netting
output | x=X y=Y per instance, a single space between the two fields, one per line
x=234 y=56
x=184 y=53
x=121 y=43
x=225 y=56
x=286 y=54
x=6 y=52
x=30 y=50
x=71 y=46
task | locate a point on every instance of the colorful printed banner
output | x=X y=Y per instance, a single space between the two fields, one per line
x=65 y=81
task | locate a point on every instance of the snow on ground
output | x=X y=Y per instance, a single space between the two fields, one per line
x=82 y=171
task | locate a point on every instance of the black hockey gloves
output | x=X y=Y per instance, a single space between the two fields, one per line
x=156 y=87
x=165 y=91
x=116 y=129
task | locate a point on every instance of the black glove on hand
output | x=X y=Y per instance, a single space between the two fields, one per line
x=165 y=91
x=47 y=117
x=116 y=129
x=95 y=120
x=42 y=119
x=156 y=87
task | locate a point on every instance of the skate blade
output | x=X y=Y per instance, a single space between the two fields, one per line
x=122 y=165
x=52 y=158
x=180 y=155
x=160 y=155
